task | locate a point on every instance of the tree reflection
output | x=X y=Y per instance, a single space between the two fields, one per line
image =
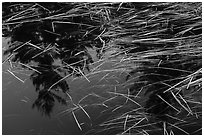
x=48 y=84
x=53 y=48
x=46 y=101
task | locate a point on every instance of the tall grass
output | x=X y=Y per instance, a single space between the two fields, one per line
x=164 y=40
x=158 y=46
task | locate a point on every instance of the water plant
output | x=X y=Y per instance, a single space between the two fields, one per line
x=42 y=36
x=158 y=46
x=166 y=48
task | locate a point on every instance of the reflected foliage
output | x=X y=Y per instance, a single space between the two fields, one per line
x=54 y=47
x=46 y=101
x=46 y=78
x=47 y=95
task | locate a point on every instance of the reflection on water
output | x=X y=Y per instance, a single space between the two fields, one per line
x=43 y=83
x=52 y=83
x=54 y=56
x=49 y=79
x=55 y=50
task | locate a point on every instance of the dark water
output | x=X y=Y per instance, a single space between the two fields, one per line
x=17 y=98
x=18 y=116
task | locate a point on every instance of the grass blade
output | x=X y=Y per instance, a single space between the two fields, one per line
x=77 y=122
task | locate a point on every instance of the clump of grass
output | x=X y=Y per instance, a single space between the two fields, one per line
x=164 y=41
x=159 y=48
x=52 y=39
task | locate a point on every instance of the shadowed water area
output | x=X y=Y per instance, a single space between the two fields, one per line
x=28 y=89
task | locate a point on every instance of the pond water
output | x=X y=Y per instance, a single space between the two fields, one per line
x=105 y=81
x=19 y=117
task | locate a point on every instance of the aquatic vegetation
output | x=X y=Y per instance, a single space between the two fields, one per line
x=164 y=41
x=41 y=37
x=158 y=46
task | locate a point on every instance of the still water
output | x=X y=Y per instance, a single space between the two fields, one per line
x=18 y=96
x=95 y=93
